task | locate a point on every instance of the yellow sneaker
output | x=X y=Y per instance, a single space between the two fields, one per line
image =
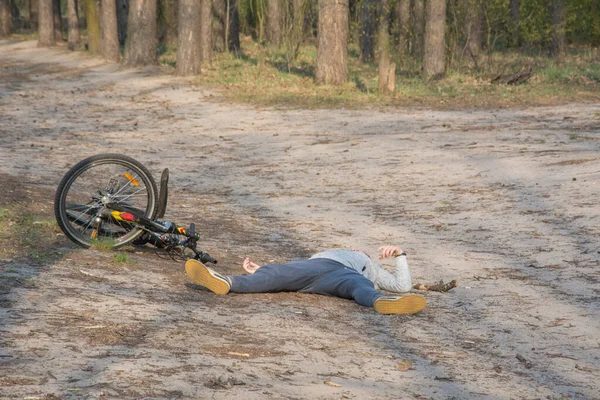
x=204 y=276
x=409 y=304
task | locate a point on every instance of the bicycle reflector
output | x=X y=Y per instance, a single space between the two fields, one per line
x=123 y=216
x=133 y=181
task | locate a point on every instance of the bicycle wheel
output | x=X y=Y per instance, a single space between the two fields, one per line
x=87 y=192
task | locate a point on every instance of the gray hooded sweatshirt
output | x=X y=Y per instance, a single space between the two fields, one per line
x=374 y=272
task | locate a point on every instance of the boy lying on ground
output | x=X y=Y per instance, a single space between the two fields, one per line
x=349 y=274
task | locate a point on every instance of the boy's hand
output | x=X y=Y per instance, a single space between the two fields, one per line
x=249 y=266
x=389 y=251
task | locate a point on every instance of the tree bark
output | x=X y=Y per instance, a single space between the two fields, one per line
x=559 y=18
x=233 y=37
x=274 y=22
x=46 y=24
x=92 y=20
x=206 y=31
x=15 y=13
x=140 y=48
x=387 y=69
x=418 y=23
x=5 y=18
x=219 y=12
x=167 y=22
x=473 y=27
x=110 y=37
x=515 y=16
x=122 y=13
x=368 y=24
x=188 y=37
x=434 y=57
x=57 y=15
x=402 y=25
x=34 y=18
x=332 y=42
x=73 y=18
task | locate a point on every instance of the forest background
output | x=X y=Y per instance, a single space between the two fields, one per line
x=445 y=53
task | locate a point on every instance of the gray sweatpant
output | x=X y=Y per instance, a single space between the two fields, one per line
x=318 y=275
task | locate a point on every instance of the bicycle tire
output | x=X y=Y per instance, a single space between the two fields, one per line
x=121 y=233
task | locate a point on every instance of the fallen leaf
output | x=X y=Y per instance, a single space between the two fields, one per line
x=329 y=383
x=404 y=365
x=582 y=368
x=233 y=353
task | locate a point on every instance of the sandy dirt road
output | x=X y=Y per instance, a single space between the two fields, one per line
x=505 y=201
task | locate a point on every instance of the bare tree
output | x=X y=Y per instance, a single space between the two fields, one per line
x=122 y=13
x=167 y=22
x=473 y=28
x=332 y=42
x=418 y=23
x=140 y=47
x=34 y=14
x=225 y=25
x=368 y=23
x=92 y=20
x=5 y=18
x=559 y=18
x=188 y=37
x=515 y=16
x=46 y=24
x=434 y=57
x=387 y=69
x=274 y=20
x=402 y=25
x=57 y=15
x=233 y=23
x=206 y=31
x=219 y=25
x=73 y=25
x=111 y=49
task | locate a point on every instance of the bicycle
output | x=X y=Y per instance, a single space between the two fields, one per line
x=112 y=200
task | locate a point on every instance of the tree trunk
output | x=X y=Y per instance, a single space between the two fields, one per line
x=34 y=14
x=73 y=18
x=5 y=18
x=57 y=15
x=559 y=18
x=189 y=37
x=515 y=16
x=140 y=48
x=92 y=20
x=218 y=25
x=434 y=58
x=110 y=36
x=418 y=24
x=402 y=25
x=274 y=18
x=15 y=13
x=206 y=31
x=167 y=22
x=122 y=13
x=332 y=42
x=387 y=69
x=473 y=28
x=46 y=24
x=368 y=23
x=233 y=40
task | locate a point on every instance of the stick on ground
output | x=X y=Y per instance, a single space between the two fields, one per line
x=437 y=287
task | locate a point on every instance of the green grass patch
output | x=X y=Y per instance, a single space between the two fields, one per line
x=103 y=244
x=121 y=258
x=26 y=234
x=263 y=75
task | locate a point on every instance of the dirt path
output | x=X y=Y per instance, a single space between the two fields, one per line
x=505 y=201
